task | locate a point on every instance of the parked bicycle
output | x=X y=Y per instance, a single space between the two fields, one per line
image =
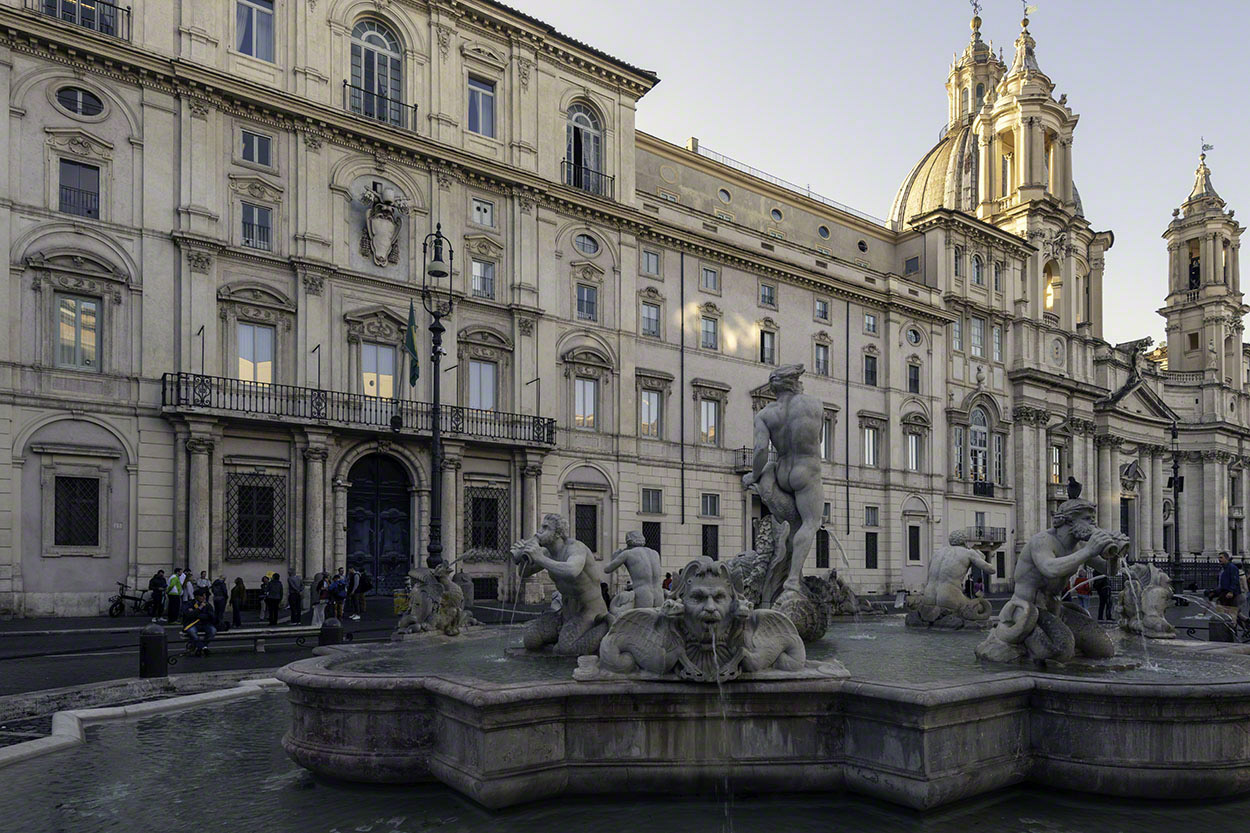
x=141 y=604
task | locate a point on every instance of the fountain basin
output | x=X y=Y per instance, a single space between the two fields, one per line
x=377 y=715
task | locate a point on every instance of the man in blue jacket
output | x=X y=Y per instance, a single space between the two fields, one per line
x=1229 y=588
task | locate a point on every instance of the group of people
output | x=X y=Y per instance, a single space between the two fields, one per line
x=1088 y=582
x=200 y=604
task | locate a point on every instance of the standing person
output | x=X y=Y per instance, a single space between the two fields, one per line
x=1103 y=588
x=668 y=582
x=320 y=595
x=1229 y=587
x=273 y=598
x=353 y=581
x=1080 y=584
x=157 y=585
x=363 y=585
x=203 y=583
x=238 y=596
x=220 y=594
x=338 y=593
x=173 y=593
x=264 y=594
x=295 y=595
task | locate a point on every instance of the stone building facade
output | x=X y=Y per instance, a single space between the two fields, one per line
x=201 y=361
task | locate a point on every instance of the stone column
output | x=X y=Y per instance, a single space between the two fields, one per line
x=1103 y=442
x=201 y=449
x=1156 y=498
x=1208 y=514
x=314 y=510
x=451 y=468
x=339 y=557
x=529 y=495
x=1027 y=476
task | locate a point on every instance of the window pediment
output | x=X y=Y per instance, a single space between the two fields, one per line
x=584 y=270
x=654 y=379
x=709 y=308
x=585 y=361
x=375 y=324
x=76 y=273
x=79 y=142
x=872 y=350
x=482 y=54
x=483 y=343
x=710 y=389
x=255 y=294
x=650 y=293
x=872 y=419
x=483 y=246
x=255 y=187
x=767 y=323
x=822 y=337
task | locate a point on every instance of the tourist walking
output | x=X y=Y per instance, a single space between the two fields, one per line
x=320 y=595
x=295 y=595
x=238 y=597
x=157 y=585
x=173 y=594
x=221 y=594
x=273 y=598
x=1103 y=588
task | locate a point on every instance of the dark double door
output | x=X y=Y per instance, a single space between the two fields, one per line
x=378 y=521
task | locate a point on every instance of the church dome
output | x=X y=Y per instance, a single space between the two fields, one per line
x=945 y=178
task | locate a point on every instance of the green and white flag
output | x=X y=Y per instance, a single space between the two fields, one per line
x=410 y=346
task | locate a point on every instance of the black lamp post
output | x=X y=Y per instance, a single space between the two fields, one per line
x=432 y=291
x=1177 y=487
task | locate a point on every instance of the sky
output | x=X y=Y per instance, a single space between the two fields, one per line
x=847 y=97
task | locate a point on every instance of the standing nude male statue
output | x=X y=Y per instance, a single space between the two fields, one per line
x=643 y=564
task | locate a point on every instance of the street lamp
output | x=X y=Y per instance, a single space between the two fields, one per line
x=433 y=289
x=1177 y=487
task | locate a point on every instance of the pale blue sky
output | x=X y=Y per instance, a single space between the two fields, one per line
x=848 y=96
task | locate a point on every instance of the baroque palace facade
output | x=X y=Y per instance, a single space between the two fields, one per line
x=200 y=357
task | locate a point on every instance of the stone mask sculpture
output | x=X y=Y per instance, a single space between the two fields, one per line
x=705 y=632
x=1142 y=605
x=379 y=239
x=436 y=603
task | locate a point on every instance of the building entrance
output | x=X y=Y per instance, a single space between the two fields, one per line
x=378 y=523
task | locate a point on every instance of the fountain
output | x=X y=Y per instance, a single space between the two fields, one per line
x=943 y=603
x=1143 y=603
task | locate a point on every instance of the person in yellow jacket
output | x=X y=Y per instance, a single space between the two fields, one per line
x=173 y=592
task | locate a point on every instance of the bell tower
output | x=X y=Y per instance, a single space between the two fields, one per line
x=1204 y=306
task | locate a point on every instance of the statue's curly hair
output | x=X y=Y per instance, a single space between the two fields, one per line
x=703 y=567
x=1068 y=509
x=558 y=524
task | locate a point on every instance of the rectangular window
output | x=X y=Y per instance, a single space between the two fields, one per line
x=587 y=302
x=586 y=520
x=913 y=378
x=1000 y=459
x=768 y=295
x=1000 y=563
x=484 y=522
x=256 y=353
x=377 y=368
x=913 y=542
x=77 y=501
x=870 y=370
x=911 y=266
x=959 y=262
x=957 y=451
x=651 y=320
x=1193 y=337
x=254 y=27
x=481 y=107
x=913 y=452
x=998 y=276
x=710 y=279
x=255 y=517
x=826 y=513
x=650 y=262
x=78 y=324
x=709 y=505
x=257 y=227
x=709 y=421
x=483 y=385
x=768 y=347
x=822 y=359
x=80 y=189
x=711 y=541
x=957 y=334
x=483 y=212
x=651 y=534
x=822 y=549
x=826 y=439
x=1056 y=464
x=978 y=336
x=871 y=516
x=871 y=438
x=870 y=550
x=257 y=148
x=484 y=279
x=710 y=338
x=822 y=309
x=870 y=323
x=652 y=501
x=996 y=342
x=586 y=395
x=649 y=414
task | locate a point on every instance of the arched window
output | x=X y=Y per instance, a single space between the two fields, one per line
x=584 y=151
x=1051 y=274
x=963 y=98
x=980 y=96
x=978 y=270
x=959 y=261
x=376 y=88
x=979 y=445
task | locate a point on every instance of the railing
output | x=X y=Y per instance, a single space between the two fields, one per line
x=95 y=15
x=1051 y=318
x=982 y=488
x=80 y=202
x=374 y=105
x=215 y=393
x=985 y=534
x=256 y=236
x=1203 y=575
x=587 y=179
x=1192 y=295
x=1184 y=377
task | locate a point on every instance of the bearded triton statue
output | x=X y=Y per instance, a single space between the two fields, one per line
x=1035 y=624
x=379 y=239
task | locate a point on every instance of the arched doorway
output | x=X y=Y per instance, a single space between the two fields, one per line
x=378 y=508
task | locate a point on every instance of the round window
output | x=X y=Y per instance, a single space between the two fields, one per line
x=776 y=215
x=823 y=231
x=586 y=244
x=724 y=196
x=80 y=101
x=913 y=335
x=863 y=245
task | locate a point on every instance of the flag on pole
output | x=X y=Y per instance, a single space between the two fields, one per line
x=410 y=346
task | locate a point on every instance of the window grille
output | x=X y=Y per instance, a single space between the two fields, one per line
x=77 y=512
x=256 y=524
x=711 y=541
x=651 y=534
x=587 y=521
x=487 y=519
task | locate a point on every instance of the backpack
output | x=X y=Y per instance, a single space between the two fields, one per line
x=366 y=585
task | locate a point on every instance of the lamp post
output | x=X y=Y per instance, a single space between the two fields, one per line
x=1177 y=487
x=436 y=270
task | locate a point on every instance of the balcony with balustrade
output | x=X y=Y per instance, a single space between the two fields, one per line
x=371 y=104
x=234 y=399
x=587 y=179
x=985 y=537
x=96 y=15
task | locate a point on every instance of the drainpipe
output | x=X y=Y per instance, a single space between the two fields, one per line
x=681 y=405
x=846 y=414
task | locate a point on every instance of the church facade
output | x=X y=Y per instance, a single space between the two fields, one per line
x=214 y=215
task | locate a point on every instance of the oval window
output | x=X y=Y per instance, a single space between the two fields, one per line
x=724 y=196
x=80 y=101
x=863 y=245
x=823 y=231
x=776 y=215
x=913 y=335
x=586 y=244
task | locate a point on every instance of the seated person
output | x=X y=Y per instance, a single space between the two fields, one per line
x=200 y=622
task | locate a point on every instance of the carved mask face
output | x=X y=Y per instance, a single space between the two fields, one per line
x=708 y=604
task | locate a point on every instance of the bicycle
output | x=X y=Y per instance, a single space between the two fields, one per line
x=141 y=603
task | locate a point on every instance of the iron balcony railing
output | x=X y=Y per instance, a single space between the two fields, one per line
x=985 y=534
x=79 y=201
x=587 y=179
x=374 y=105
x=982 y=488
x=193 y=391
x=256 y=236
x=96 y=15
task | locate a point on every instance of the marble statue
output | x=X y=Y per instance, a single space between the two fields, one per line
x=645 y=575
x=582 y=620
x=705 y=632
x=379 y=239
x=942 y=604
x=1035 y=624
x=435 y=603
x=1142 y=605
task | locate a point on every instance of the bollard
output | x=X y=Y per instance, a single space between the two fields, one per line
x=153 y=651
x=331 y=632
